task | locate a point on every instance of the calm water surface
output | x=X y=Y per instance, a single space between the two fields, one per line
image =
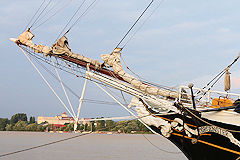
x=89 y=147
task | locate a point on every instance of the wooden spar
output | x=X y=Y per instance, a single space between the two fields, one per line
x=91 y=67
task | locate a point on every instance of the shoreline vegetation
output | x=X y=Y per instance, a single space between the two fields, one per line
x=20 y=122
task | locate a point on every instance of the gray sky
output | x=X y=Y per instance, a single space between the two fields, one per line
x=182 y=42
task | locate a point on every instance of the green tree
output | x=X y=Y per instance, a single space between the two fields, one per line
x=120 y=125
x=128 y=126
x=90 y=127
x=81 y=127
x=142 y=127
x=17 y=117
x=20 y=126
x=93 y=126
x=110 y=125
x=41 y=128
x=131 y=126
x=43 y=123
x=100 y=125
x=3 y=123
x=31 y=127
x=69 y=127
x=9 y=127
x=32 y=120
x=86 y=127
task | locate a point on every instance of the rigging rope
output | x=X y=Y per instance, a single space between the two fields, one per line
x=208 y=122
x=65 y=85
x=140 y=78
x=98 y=101
x=44 y=59
x=211 y=86
x=40 y=14
x=43 y=145
x=126 y=108
x=83 y=14
x=135 y=23
x=74 y=93
x=70 y=20
x=63 y=139
x=59 y=10
x=49 y=10
x=144 y=80
x=120 y=90
x=217 y=77
x=222 y=72
x=54 y=76
x=163 y=150
x=34 y=15
x=143 y=23
x=46 y=82
x=66 y=95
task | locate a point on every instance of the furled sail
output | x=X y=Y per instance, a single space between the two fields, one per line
x=114 y=61
x=227 y=81
x=61 y=47
x=26 y=39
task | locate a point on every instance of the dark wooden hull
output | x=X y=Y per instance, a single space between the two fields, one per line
x=208 y=146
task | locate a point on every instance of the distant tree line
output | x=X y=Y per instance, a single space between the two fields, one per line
x=132 y=126
x=128 y=126
x=19 y=122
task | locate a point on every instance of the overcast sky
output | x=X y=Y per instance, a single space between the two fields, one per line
x=183 y=41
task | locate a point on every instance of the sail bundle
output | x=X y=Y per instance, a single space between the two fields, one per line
x=26 y=39
x=227 y=81
x=61 y=47
x=114 y=61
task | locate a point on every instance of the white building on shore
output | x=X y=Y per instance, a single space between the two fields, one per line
x=63 y=119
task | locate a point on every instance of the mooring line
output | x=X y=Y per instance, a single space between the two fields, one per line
x=43 y=145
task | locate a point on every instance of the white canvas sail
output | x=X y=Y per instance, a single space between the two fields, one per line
x=114 y=61
x=61 y=47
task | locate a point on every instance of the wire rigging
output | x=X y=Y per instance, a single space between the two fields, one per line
x=52 y=5
x=70 y=19
x=65 y=85
x=83 y=14
x=44 y=79
x=160 y=3
x=66 y=95
x=134 y=23
x=77 y=20
x=141 y=78
x=40 y=14
x=43 y=145
x=59 y=10
x=34 y=15
x=54 y=76
x=217 y=77
x=48 y=62
x=159 y=147
x=145 y=81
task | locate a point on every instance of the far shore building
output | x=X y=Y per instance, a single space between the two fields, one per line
x=61 y=120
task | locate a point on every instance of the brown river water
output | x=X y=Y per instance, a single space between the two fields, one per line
x=88 y=147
